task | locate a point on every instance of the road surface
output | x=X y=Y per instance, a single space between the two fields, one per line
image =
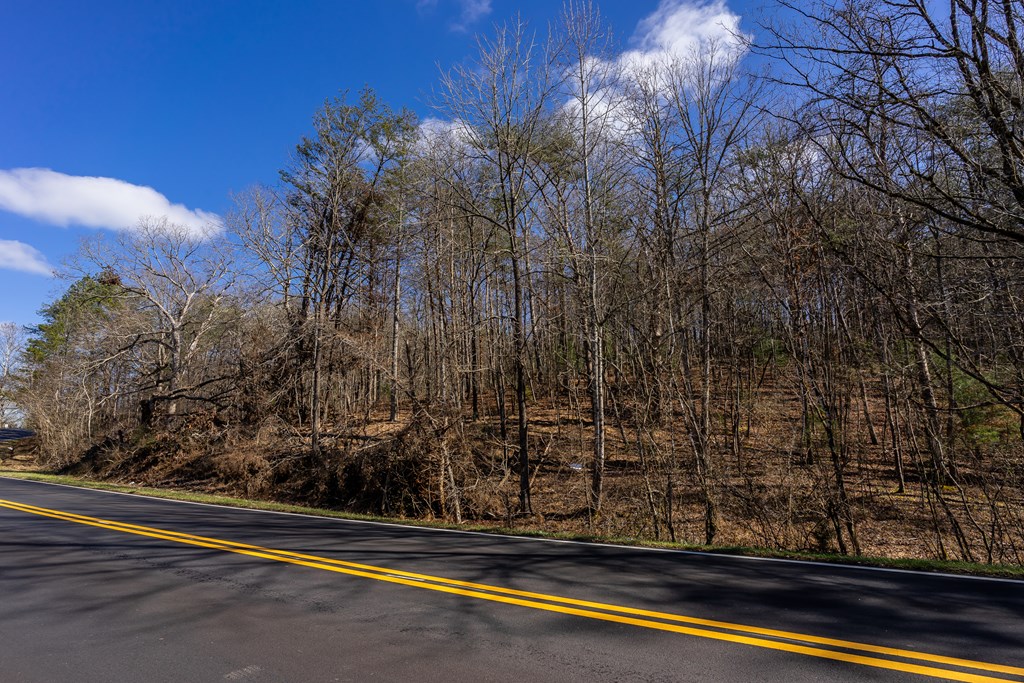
x=7 y=434
x=98 y=586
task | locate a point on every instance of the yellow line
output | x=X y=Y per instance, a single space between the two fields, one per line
x=513 y=596
x=846 y=644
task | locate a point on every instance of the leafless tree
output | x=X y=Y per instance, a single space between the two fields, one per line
x=12 y=345
x=175 y=285
x=499 y=102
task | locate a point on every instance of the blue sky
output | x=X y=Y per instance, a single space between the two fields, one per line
x=117 y=108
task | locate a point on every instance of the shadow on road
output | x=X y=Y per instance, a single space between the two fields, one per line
x=961 y=617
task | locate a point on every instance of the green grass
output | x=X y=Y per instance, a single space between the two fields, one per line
x=950 y=567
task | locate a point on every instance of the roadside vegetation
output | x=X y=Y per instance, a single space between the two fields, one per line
x=764 y=293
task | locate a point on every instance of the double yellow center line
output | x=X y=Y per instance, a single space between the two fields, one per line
x=878 y=656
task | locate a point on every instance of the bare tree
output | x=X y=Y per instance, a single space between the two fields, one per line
x=12 y=345
x=945 y=81
x=583 y=187
x=714 y=102
x=175 y=283
x=333 y=195
x=500 y=103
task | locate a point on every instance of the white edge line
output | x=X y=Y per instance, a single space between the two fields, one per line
x=699 y=553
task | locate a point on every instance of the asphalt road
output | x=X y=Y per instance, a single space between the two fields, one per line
x=273 y=597
x=13 y=434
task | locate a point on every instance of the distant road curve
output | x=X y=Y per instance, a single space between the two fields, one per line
x=14 y=434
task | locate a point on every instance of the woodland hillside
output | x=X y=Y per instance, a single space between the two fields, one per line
x=767 y=292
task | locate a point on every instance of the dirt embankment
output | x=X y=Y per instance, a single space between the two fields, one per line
x=421 y=467
x=19 y=454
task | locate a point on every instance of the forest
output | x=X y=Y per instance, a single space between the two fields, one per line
x=768 y=292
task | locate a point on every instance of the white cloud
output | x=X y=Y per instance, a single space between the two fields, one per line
x=95 y=202
x=435 y=132
x=608 y=116
x=667 y=46
x=471 y=12
x=432 y=130
x=677 y=29
x=667 y=43
x=23 y=257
